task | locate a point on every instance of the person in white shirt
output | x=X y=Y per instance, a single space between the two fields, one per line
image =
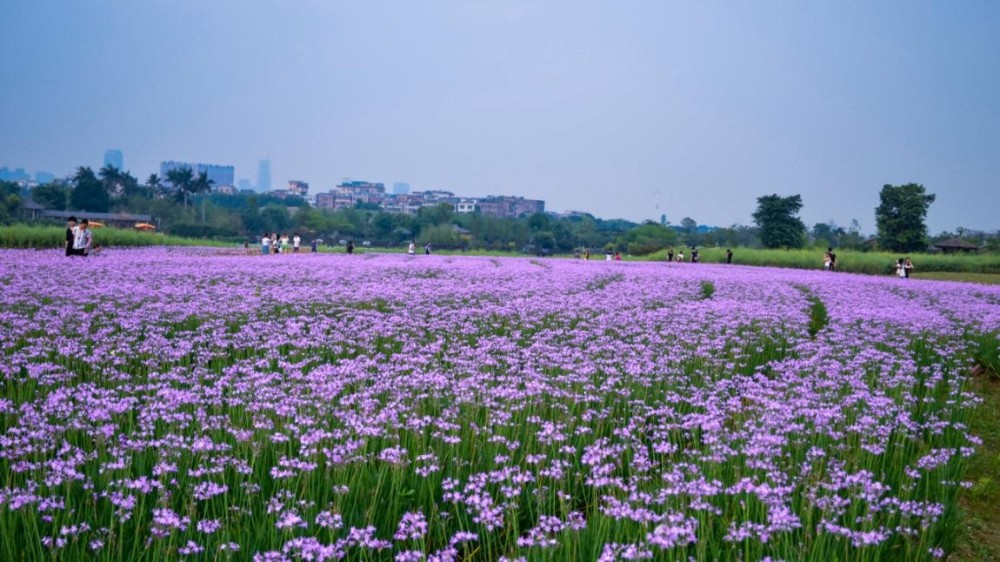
x=295 y=243
x=265 y=244
x=412 y=249
x=83 y=239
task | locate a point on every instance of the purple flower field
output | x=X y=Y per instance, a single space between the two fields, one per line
x=163 y=404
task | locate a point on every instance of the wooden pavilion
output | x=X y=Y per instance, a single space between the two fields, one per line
x=956 y=245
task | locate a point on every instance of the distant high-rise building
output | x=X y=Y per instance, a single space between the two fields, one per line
x=17 y=174
x=400 y=188
x=114 y=158
x=220 y=175
x=264 y=175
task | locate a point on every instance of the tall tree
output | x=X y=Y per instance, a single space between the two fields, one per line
x=777 y=217
x=182 y=180
x=52 y=196
x=202 y=184
x=88 y=193
x=112 y=179
x=900 y=217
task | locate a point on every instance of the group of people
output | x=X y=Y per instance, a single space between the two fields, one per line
x=80 y=239
x=412 y=248
x=273 y=243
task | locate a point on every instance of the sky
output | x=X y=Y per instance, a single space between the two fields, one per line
x=628 y=109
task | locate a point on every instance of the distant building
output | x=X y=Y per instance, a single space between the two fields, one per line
x=44 y=177
x=114 y=158
x=220 y=175
x=244 y=184
x=400 y=188
x=506 y=206
x=298 y=188
x=264 y=175
x=17 y=174
x=467 y=205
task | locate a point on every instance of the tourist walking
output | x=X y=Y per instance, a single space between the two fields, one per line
x=296 y=240
x=412 y=248
x=729 y=255
x=427 y=249
x=265 y=244
x=907 y=267
x=350 y=246
x=694 y=255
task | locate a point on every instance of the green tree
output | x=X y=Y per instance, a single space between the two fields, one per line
x=777 y=217
x=441 y=213
x=689 y=227
x=647 y=238
x=10 y=201
x=900 y=217
x=182 y=179
x=88 y=193
x=111 y=177
x=251 y=217
x=52 y=196
x=274 y=218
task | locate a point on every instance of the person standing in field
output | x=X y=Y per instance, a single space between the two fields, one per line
x=83 y=240
x=70 y=235
x=350 y=246
x=427 y=249
x=670 y=255
x=833 y=259
x=295 y=243
x=729 y=256
x=907 y=267
x=313 y=246
x=265 y=244
x=412 y=248
x=680 y=256
x=694 y=255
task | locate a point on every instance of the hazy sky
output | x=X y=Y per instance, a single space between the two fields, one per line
x=592 y=106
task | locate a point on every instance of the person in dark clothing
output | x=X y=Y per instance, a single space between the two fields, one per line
x=670 y=255
x=694 y=255
x=350 y=246
x=70 y=235
x=833 y=259
x=729 y=255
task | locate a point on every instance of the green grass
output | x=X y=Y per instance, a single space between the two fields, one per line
x=875 y=263
x=25 y=236
x=980 y=538
x=985 y=278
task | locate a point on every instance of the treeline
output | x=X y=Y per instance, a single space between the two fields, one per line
x=183 y=204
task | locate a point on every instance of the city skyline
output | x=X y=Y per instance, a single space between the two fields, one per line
x=589 y=106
